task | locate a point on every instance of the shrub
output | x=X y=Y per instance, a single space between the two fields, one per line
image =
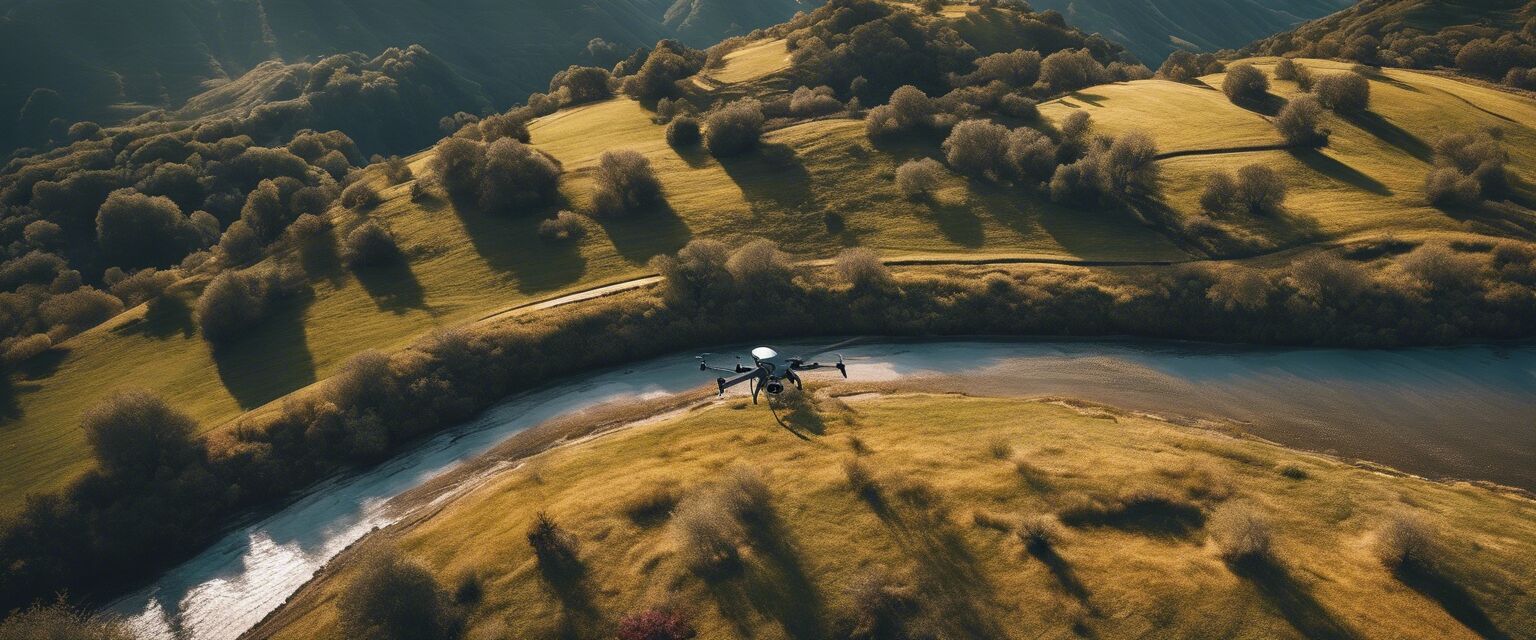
x=458 y=164
x=808 y=103
x=1018 y=68
x=370 y=245
x=1299 y=122
x=307 y=228
x=1082 y=182
x=683 y=131
x=881 y=602
x=1220 y=193
x=697 y=274
x=1039 y=532
x=42 y=234
x=861 y=268
x=59 y=622
x=553 y=546
x=977 y=148
x=239 y=245
x=1448 y=188
x=999 y=448
x=360 y=195
x=1285 y=69
x=1130 y=165
x=759 y=266
x=70 y=313
x=1017 y=106
x=623 y=183
x=1260 y=188
x=238 y=300
x=918 y=178
x=908 y=109
x=1240 y=532
x=734 y=129
x=396 y=170
x=1294 y=472
x=581 y=84
x=143 y=286
x=394 y=599
x=651 y=504
x=516 y=176
x=1441 y=267
x=1343 y=92
x=1067 y=70
x=655 y=624
x=564 y=226
x=134 y=434
x=1245 y=82
x=26 y=348
x=707 y=534
x=135 y=230
x=1406 y=541
x=1031 y=155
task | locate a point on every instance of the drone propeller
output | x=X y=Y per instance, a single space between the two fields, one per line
x=836 y=345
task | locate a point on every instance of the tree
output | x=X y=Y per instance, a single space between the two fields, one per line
x=135 y=230
x=394 y=599
x=239 y=245
x=1069 y=70
x=458 y=164
x=1343 y=92
x=370 y=245
x=1245 y=82
x=918 y=177
x=1260 y=188
x=1299 y=122
x=264 y=212
x=360 y=195
x=1130 y=165
x=516 y=176
x=624 y=182
x=683 y=131
x=977 y=148
x=735 y=128
x=135 y=434
x=581 y=84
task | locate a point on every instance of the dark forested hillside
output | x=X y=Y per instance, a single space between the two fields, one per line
x=107 y=60
x=1154 y=28
x=1495 y=39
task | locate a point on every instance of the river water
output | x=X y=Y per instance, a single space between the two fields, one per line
x=1465 y=412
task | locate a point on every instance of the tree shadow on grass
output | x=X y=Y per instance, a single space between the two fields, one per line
x=1452 y=597
x=393 y=287
x=778 y=586
x=166 y=316
x=568 y=582
x=641 y=235
x=510 y=243
x=957 y=221
x=270 y=360
x=320 y=258
x=1062 y=571
x=1322 y=163
x=1268 y=105
x=694 y=155
x=1391 y=134
x=1276 y=585
x=772 y=174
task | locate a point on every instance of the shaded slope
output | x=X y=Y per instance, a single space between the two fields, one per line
x=1154 y=28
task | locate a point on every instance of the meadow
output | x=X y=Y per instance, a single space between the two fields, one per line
x=940 y=501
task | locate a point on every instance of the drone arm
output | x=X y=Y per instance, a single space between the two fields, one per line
x=726 y=384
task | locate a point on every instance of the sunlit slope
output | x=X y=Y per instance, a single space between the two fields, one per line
x=820 y=186
x=751 y=62
x=937 y=461
x=1368 y=181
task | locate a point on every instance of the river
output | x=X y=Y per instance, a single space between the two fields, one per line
x=1465 y=412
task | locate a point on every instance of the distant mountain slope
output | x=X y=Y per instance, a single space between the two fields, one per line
x=1154 y=28
x=1420 y=34
x=108 y=59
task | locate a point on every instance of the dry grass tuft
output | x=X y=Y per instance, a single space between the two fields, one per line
x=1241 y=533
x=999 y=448
x=1040 y=531
x=651 y=504
x=1406 y=540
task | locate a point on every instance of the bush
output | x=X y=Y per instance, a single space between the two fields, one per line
x=1299 y=122
x=707 y=534
x=1220 y=193
x=652 y=504
x=1446 y=187
x=59 y=622
x=978 y=148
x=564 y=226
x=683 y=131
x=1476 y=159
x=458 y=164
x=759 y=267
x=370 y=245
x=881 y=602
x=42 y=234
x=1405 y=541
x=1260 y=188
x=394 y=599
x=26 y=348
x=1130 y=165
x=396 y=170
x=1245 y=82
x=734 y=129
x=239 y=245
x=1018 y=68
x=553 y=546
x=70 y=313
x=576 y=84
x=1240 y=532
x=809 y=103
x=1014 y=105
x=517 y=176
x=624 y=183
x=134 y=435
x=861 y=268
x=1343 y=92
x=1285 y=69
x=238 y=300
x=1065 y=71
x=908 y=109
x=1039 y=532
x=1031 y=155
x=655 y=624
x=918 y=178
x=360 y=195
x=143 y=286
x=135 y=230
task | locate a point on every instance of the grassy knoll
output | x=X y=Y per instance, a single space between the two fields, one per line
x=951 y=479
x=752 y=62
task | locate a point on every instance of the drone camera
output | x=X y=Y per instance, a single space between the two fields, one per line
x=774 y=387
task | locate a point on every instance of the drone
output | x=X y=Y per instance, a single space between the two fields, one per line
x=764 y=374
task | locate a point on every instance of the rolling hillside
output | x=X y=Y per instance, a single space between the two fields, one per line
x=1154 y=28
x=111 y=60
x=971 y=516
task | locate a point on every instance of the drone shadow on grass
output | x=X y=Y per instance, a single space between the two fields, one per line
x=1296 y=604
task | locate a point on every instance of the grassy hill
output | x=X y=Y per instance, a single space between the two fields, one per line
x=116 y=59
x=1154 y=28
x=815 y=187
x=903 y=513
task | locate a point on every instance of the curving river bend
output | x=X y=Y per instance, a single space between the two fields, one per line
x=1466 y=412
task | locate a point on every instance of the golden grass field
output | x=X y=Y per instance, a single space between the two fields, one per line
x=938 y=462
x=815 y=187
